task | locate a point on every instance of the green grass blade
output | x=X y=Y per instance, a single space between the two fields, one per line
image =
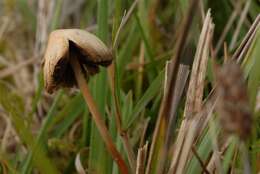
x=68 y=115
x=37 y=97
x=27 y=13
x=126 y=52
x=13 y=104
x=149 y=94
x=254 y=74
x=56 y=16
x=99 y=159
x=49 y=118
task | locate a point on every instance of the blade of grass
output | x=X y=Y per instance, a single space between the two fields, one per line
x=194 y=99
x=36 y=98
x=13 y=105
x=69 y=114
x=149 y=50
x=56 y=16
x=254 y=63
x=228 y=157
x=99 y=160
x=149 y=94
x=251 y=65
x=246 y=42
x=86 y=128
x=29 y=16
x=126 y=52
x=180 y=85
x=118 y=116
x=27 y=167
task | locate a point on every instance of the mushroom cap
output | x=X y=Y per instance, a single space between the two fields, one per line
x=66 y=44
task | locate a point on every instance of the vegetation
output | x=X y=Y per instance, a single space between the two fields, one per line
x=181 y=95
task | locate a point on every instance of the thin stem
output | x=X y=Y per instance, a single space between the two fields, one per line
x=97 y=117
x=203 y=166
x=245 y=157
x=123 y=134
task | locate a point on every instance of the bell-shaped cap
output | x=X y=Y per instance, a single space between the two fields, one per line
x=66 y=44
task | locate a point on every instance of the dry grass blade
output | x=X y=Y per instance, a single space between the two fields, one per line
x=141 y=159
x=230 y=21
x=202 y=11
x=4 y=61
x=4 y=167
x=180 y=84
x=5 y=142
x=164 y=112
x=211 y=166
x=257 y=107
x=239 y=25
x=194 y=103
x=44 y=17
x=13 y=69
x=245 y=44
x=123 y=23
x=5 y=22
x=203 y=166
x=78 y=165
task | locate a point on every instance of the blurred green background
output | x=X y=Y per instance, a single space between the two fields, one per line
x=43 y=132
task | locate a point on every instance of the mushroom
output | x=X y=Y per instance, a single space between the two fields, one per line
x=65 y=44
x=71 y=57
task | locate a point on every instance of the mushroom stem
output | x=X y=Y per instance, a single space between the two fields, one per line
x=96 y=116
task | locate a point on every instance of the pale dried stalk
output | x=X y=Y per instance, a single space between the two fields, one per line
x=44 y=17
x=173 y=70
x=22 y=80
x=180 y=85
x=141 y=159
x=8 y=128
x=144 y=129
x=3 y=61
x=193 y=105
x=140 y=70
x=257 y=106
x=211 y=167
x=226 y=56
x=245 y=44
x=229 y=24
x=239 y=25
x=4 y=25
x=201 y=6
x=78 y=165
x=14 y=68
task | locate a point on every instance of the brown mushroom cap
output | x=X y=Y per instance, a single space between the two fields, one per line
x=66 y=44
